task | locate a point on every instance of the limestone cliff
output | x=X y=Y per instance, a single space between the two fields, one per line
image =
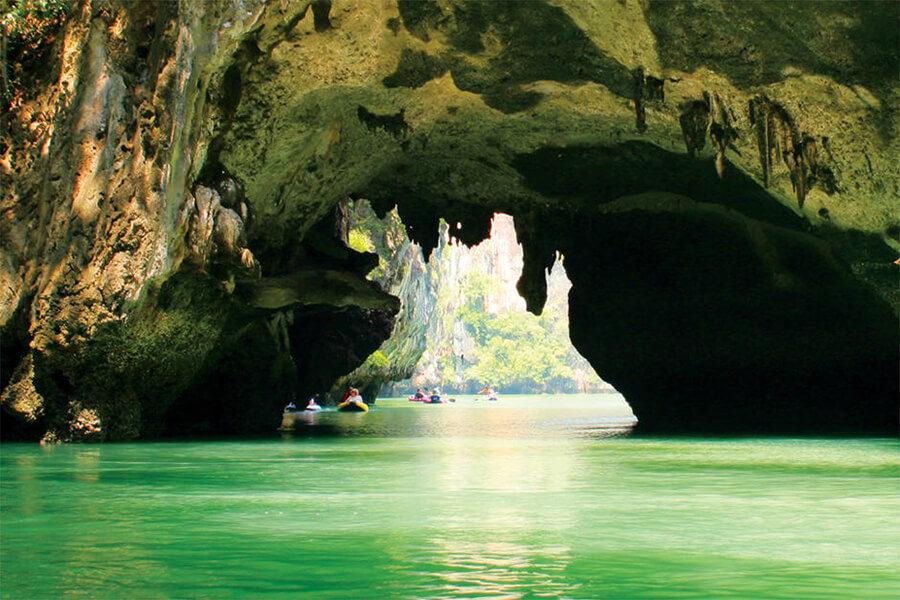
x=476 y=330
x=404 y=273
x=720 y=176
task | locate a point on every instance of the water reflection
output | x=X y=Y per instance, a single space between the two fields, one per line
x=497 y=519
x=452 y=512
x=87 y=464
x=496 y=569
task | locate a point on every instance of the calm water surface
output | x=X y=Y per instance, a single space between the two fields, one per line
x=522 y=498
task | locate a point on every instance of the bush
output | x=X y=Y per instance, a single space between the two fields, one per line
x=26 y=27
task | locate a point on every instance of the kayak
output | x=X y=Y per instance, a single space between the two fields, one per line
x=434 y=400
x=352 y=407
x=414 y=399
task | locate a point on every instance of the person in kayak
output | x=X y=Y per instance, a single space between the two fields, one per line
x=355 y=397
x=312 y=404
x=347 y=394
x=491 y=394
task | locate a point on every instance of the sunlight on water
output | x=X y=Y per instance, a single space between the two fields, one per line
x=513 y=500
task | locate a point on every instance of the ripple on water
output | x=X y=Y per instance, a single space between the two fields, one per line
x=432 y=503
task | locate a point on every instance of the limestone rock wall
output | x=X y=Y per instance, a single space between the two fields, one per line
x=403 y=272
x=170 y=174
x=121 y=254
x=97 y=151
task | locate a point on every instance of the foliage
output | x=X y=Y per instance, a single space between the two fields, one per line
x=359 y=241
x=25 y=22
x=377 y=360
x=370 y=234
x=518 y=351
x=513 y=351
x=26 y=26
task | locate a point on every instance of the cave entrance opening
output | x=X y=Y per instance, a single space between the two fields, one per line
x=463 y=325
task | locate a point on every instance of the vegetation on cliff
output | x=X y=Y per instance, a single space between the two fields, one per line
x=402 y=271
x=26 y=27
x=483 y=334
x=476 y=330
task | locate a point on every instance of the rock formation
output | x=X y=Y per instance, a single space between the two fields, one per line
x=720 y=176
x=404 y=273
x=465 y=306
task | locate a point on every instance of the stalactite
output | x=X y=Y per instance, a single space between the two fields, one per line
x=694 y=119
x=639 y=114
x=720 y=131
x=646 y=89
x=776 y=131
x=704 y=118
x=759 y=119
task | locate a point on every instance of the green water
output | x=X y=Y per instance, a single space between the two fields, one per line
x=522 y=498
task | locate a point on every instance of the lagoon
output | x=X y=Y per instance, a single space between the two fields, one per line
x=528 y=497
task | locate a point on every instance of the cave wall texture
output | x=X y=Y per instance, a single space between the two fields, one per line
x=721 y=178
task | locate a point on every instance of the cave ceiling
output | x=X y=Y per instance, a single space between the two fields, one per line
x=448 y=100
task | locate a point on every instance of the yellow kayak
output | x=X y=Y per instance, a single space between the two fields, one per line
x=353 y=407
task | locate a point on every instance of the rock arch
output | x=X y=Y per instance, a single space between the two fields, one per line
x=172 y=179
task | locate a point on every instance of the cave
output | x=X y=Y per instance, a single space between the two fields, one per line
x=744 y=319
x=175 y=249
